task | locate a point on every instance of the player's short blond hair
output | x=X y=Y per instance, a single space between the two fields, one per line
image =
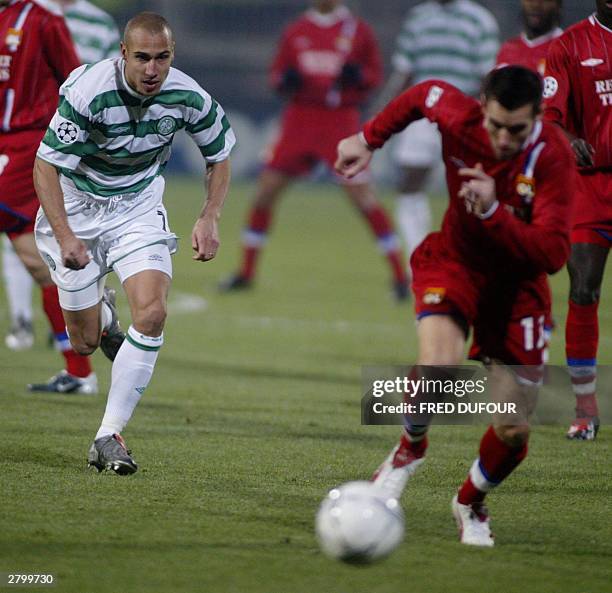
x=151 y=22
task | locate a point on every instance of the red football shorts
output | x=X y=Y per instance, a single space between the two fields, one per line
x=593 y=209
x=508 y=321
x=310 y=135
x=18 y=201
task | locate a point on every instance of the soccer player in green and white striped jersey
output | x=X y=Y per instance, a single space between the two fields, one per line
x=93 y=31
x=98 y=178
x=452 y=40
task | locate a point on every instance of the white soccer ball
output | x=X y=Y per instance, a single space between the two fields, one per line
x=357 y=523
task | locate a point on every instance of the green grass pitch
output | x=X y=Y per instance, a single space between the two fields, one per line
x=253 y=414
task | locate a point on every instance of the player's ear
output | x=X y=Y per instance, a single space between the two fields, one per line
x=483 y=103
x=123 y=50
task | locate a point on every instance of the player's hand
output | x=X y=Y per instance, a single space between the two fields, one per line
x=205 y=238
x=74 y=253
x=478 y=192
x=350 y=75
x=584 y=152
x=354 y=156
x=291 y=81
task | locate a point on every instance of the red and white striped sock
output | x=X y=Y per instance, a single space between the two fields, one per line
x=496 y=462
x=253 y=239
x=581 y=341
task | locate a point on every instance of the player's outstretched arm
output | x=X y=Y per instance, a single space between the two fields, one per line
x=205 y=235
x=354 y=155
x=51 y=198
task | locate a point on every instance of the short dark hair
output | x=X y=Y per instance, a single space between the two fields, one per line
x=513 y=87
x=150 y=22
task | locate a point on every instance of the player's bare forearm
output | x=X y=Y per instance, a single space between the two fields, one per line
x=51 y=198
x=218 y=180
x=205 y=235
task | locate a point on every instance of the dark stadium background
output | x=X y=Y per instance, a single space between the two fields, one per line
x=226 y=45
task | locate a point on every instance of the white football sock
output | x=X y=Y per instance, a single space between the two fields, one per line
x=106 y=316
x=17 y=284
x=413 y=218
x=131 y=373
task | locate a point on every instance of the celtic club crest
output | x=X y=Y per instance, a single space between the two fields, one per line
x=166 y=126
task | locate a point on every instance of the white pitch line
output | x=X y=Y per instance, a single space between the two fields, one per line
x=181 y=303
x=290 y=324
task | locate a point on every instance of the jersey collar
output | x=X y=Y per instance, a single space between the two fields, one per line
x=542 y=38
x=329 y=19
x=595 y=21
x=535 y=134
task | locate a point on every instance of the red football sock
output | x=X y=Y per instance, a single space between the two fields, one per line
x=254 y=237
x=581 y=341
x=76 y=365
x=417 y=446
x=496 y=462
x=382 y=228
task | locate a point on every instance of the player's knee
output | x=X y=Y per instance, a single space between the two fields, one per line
x=412 y=180
x=84 y=345
x=150 y=319
x=513 y=436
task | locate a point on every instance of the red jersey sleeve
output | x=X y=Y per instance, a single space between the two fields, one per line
x=557 y=84
x=436 y=100
x=59 y=49
x=543 y=243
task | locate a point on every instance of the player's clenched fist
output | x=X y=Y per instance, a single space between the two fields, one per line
x=74 y=253
x=205 y=238
x=354 y=154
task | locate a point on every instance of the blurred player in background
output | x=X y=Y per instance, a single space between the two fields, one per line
x=95 y=37
x=578 y=93
x=510 y=180
x=327 y=63
x=451 y=40
x=541 y=20
x=36 y=56
x=98 y=177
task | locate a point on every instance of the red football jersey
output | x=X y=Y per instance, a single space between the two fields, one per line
x=36 y=56
x=318 y=46
x=528 y=233
x=530 y=53
x=578 y=86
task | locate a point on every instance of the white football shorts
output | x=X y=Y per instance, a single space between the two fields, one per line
x=419 y=145
x=127 y=234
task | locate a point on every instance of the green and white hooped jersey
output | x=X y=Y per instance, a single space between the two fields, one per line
x=456 y=42
x=107 y=140
x=93 y=31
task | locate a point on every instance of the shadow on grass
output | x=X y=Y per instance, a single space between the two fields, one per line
x=24 y=454
x=258 y=372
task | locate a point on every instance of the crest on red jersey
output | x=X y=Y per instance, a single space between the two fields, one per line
x=525 y=187
x=13 y=38
x=434 y=295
